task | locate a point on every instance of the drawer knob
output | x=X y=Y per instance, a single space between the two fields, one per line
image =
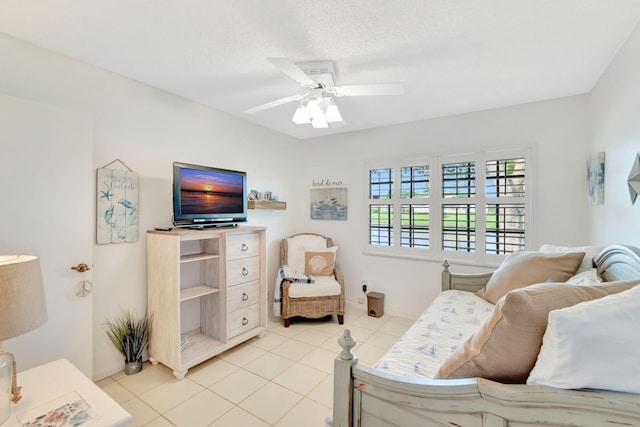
x=245 y=296
x=245 y=271
x=244 y=247
x=244 y=321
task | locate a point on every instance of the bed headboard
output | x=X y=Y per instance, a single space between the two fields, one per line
x=618 y=262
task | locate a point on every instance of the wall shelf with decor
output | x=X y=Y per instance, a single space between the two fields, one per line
x=266 y=204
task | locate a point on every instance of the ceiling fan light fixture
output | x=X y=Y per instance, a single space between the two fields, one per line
x=314 y=109
x=301 y=116
x=317 y=106
x=332 y=114
x=319 y=122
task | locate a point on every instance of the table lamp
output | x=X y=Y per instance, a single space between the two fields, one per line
x=22 y=309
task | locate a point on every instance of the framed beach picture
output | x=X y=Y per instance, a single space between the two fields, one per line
x=329 y=203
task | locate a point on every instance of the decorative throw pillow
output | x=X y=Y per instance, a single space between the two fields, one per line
x=320 y=262
x=298 y=245
x=522 y=269
x=593 y=344
x=588 y=277
x=589 y=253
x=506 y=346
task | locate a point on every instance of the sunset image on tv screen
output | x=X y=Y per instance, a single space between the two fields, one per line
x=210 y=192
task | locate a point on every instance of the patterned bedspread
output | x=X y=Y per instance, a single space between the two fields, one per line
x=441 y=329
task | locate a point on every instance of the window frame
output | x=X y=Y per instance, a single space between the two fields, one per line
x=436 y=201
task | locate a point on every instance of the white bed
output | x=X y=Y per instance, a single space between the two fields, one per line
x=399 y=390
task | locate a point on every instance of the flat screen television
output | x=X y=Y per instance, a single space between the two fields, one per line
x=205 y=196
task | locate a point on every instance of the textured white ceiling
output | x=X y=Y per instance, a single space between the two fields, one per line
x=453 y=56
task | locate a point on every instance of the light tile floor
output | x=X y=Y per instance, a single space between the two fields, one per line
x=283 y=379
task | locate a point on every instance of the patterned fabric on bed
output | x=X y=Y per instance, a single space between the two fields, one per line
x=441 y=329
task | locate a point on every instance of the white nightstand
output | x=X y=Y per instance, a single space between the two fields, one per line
x=46 y=383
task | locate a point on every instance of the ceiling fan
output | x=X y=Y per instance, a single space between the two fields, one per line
x=317 y=106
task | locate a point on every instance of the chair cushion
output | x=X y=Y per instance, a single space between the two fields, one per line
x=320 y=262
x=324 y=286
x=298 y=245
x=521 y=269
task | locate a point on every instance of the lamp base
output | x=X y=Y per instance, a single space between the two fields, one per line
x=6 y=366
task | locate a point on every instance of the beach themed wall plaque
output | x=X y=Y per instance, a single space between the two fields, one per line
x=117 y=213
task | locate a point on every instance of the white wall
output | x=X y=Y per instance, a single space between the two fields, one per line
x=556 y=129
x=147 y=129
x=615 y=129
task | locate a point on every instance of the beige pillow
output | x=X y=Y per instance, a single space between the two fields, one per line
x=522 y=269
x=321 y=262
x=506 y=346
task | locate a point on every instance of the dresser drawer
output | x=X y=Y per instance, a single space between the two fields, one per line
x=242 y=245
x=243 y=320
x=243 y=296
x=243 y=270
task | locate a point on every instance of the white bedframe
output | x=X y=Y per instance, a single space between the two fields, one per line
x=367 y=397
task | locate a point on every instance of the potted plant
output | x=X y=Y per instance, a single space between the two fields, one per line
x=130 y=335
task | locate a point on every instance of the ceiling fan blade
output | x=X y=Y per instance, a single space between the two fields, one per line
x=275 y=103
x=369 y=89
x=292 y=70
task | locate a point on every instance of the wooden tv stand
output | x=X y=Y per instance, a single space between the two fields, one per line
x=207 y=287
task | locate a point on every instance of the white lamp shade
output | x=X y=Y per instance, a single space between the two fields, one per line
x=319 y=122
x=301 y=116
x=314 y=109
x=332 y=115
x=22 y=302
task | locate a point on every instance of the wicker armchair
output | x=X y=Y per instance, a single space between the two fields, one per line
x=309 y=306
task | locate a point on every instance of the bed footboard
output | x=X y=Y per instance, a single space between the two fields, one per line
x=365 y=397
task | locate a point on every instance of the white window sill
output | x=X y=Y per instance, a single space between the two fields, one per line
x=450 y=259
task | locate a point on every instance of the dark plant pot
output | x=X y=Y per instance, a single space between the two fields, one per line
x=132 y=368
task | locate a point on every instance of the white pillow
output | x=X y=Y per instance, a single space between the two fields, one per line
x=586 y=278
x=594 y=344
x=298 y=245
x=589 y=253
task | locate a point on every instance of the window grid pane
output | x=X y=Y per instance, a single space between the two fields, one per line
x=380 y=183
x=415 y=226
x=505 y=178
x=459 y=228
x=381 y=225
x=415 y=182
x=459 y=180
x=505 y=228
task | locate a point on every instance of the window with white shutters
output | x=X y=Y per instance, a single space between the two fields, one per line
x=476 y=205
